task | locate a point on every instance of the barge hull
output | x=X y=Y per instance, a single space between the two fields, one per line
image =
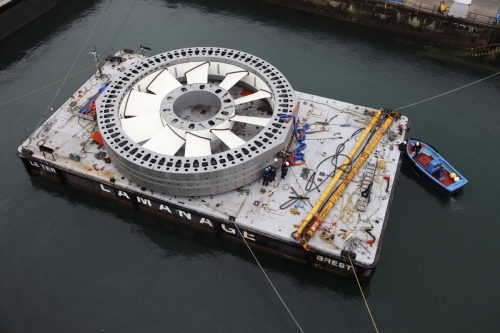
x=171 y=213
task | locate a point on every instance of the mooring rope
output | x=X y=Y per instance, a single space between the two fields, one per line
x=44 y=87
x=363 y=294
x=267 y=277
x=67 y=75
x=449 y=92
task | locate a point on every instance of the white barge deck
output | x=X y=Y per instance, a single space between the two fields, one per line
x=62 y=148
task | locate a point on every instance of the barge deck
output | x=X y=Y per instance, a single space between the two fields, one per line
x=65 y=148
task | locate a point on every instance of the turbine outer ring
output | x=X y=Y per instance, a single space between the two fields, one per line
x=203 y=175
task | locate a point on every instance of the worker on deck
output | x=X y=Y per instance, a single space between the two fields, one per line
x=272 y=173
x=402 y=146
x=284 y=169
x=265 y=177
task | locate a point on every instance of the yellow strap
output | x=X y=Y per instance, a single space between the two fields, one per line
x=326 y=193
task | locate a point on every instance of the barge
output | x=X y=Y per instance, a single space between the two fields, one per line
x=217 y=140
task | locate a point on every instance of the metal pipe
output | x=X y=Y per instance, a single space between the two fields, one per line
x=326 y=193
x=333 y=199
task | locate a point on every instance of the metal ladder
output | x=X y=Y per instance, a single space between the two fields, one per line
x=362 y=202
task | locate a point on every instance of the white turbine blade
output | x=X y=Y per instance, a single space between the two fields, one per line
x=143 y=84
x=231 y=79
x=165 y=142
x=198 y=74
x=229 y=138
x=164 y=83
x=251 y=120
x=139 y=104
x=253 y=97
x=143 y=127
x=123 y=104
x=197 y=146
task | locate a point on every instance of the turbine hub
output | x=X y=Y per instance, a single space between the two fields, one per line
x=197 y=107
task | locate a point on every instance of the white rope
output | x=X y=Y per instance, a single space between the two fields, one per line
x=81 y=50
x=269 y=280
x=449 y=92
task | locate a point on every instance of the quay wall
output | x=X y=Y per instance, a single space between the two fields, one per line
x=401 y=19
x=17 y=13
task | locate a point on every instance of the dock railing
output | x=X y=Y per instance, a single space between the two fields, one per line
x=481 y=19
x=427 y=8
x=423 y=7
x=480 y=51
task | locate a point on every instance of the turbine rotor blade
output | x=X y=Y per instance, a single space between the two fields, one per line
x=124 y=104
x=198 y=74
x=253 y=97
x=139 y=104
x=251 y=120
x=165 y=142
x=197 y=146
x=163 y=83
x=231 y=79
x=143 y=127
x=229 y=138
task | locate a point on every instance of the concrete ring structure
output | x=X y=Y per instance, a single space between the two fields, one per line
x=196 y=121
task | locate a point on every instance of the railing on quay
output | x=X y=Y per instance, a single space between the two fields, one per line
x=434 y=9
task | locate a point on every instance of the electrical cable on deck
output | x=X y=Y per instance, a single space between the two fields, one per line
x=340 y=149
x=269 y=280
x=390 y=116
x=362 y=293
x=334 y=108
x=348 y=210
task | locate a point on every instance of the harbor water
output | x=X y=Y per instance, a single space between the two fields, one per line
x=73 y=262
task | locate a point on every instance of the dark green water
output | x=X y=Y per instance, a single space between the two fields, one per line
x=70 y=262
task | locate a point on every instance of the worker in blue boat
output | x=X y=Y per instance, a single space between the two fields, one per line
x=265 y=177
x=416 y=147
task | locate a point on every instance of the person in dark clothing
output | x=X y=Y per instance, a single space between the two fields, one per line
x=272 y=174
x=284 y=169
x=402 y=146
x=416 y=147
x=265 y=177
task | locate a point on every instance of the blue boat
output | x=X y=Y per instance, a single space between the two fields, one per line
x=430 y=165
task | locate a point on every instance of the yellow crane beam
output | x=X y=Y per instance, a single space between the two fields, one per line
x=338 y=193
x=326 y=193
